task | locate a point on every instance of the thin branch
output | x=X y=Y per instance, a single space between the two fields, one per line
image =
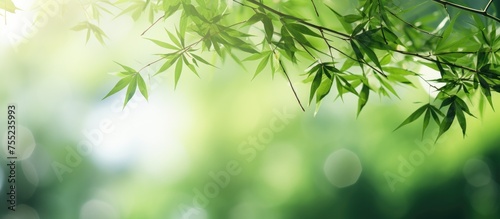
x=428 y=58
x=339 y=34
x=245 y=5
x=327 y=44
x=455 y=52
x=412 y=26
x=187 y=48
x=290 y=82
x=307 y=50
x=152 y=25
x=473 y=10
x=151 y=63
x=315 y=9
x=430 y=85
x=362 y=61
x=488 y=5
x=383 y=20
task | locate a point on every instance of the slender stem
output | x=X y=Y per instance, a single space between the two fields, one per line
x=473 y=10
x=487 y=6
x=150 y=26
x=340 y=34
x=411 y=25
x=315 y=9
x=151 y=64
x=307 y=50
x=428 y=58
x=290 y=82
x=327 y=44
x=187 y=48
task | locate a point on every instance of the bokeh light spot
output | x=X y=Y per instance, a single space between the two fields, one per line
x=96 y=209
x=342 y=168
x=23 y=211
x=477 y=173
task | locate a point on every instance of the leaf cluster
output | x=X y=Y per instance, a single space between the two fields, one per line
x=359 y=53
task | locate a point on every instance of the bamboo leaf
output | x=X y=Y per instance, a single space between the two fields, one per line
x=447 y=120
x=142 y=86
x=363 y=97
x=315 y=83
x=132 y=86
x=178 y=71
x=261 y=66
x=119 y=86
x=461 y=119
x=414 y=116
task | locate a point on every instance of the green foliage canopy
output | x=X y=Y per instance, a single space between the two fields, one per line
x=368 y=55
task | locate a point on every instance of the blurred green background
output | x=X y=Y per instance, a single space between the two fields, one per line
x=188 y=152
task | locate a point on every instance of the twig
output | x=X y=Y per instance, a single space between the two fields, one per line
x=339 y=34
x=187 y=48
x=487 y=6
x=412 y=26
x=290 y=83
x=151 y=63
x=428 y=58
x=150 y=26
x=477 y=11
x=315 y=9
x=327 y=44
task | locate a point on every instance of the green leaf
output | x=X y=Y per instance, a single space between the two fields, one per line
x=268 y=27
x=80 y=26
x=178 y=71
x=427 y=118
x=183 y=24
x=142 y=86
x=323 y=90
x=126 y=68
x=304 y=30
x=347 y=26
x=485 y=88
x=315 y=83
x=369 y=52
x=168 y=63
x=463 y=105
x=191 y=10
x=8 y=5
x=254 y=19
x=132 y=86
x=201 y=60
x=357 y=51
x=359 y=28
x=447 y=120
x=363 y=97
x=351 y=18
x=119 y=86
x=348 y=63
x=388 y=86
x=164 y=44
x=414 y=116
x=261 y=66
x=461 y=119
x=386 y=59
x=257 y=56
x=174 y=39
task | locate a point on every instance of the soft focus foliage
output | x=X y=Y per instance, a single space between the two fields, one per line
x=211 y=129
